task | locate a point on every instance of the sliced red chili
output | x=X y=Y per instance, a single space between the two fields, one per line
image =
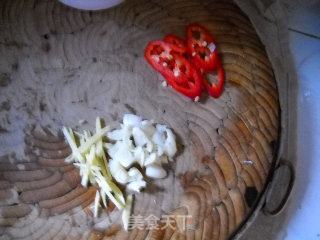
x=215 y=88
x=177 y=41
x=178 y=71
x=193 y=86
x=160 y=55
x=201 y=47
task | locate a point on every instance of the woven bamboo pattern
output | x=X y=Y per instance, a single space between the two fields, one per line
x=82 y=64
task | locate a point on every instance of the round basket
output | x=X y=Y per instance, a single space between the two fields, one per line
x=60 y=65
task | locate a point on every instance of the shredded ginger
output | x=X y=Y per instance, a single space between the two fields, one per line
x=105 y=159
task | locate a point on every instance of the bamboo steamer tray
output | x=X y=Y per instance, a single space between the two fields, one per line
x=59 y=65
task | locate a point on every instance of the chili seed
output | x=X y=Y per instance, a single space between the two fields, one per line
x=156 y=58
x=164 y=84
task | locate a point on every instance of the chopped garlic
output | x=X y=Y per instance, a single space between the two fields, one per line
x=136 y=185
x=170 y=143
x=115 y=135
x=159 y=138
x=152 y=158
x=148 y=128
x=160 y=151
x=118 y=171
x=155 y=171
x=136 y=182
x=124 y=156
x=140 y=137
x=139 y=155
x=134 y=174
x=132 y=120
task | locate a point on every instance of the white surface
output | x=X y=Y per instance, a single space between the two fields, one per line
x=306 y=19
x=300 y=220
x=91 y=4
x=304 y=222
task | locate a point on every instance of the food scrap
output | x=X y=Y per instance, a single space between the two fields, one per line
x=122 y=156
x=187 y=64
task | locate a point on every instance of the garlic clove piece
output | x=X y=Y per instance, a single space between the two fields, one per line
x=155 y=171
